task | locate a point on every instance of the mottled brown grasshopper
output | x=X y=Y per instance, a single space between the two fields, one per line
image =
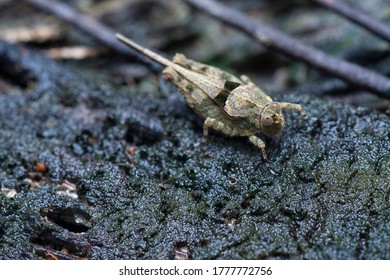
x=230 y=105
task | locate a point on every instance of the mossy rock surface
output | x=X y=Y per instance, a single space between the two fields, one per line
x=146 y=187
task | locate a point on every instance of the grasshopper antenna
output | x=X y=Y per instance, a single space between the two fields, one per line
x=154 y=56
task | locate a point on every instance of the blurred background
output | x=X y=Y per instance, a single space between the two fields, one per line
x=173 y=26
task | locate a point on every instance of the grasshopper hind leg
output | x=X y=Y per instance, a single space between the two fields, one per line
x=229 y=131
x=217 y=126
x=205 y=69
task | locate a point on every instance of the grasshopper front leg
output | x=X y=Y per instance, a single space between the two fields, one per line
x=260 y=144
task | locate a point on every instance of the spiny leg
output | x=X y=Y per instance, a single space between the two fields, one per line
x=218 y=126
x=294 y=107
x=260 y=144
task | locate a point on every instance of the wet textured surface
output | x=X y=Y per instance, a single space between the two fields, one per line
x=127 y=177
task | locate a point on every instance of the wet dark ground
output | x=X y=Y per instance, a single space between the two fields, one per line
x=126 y=176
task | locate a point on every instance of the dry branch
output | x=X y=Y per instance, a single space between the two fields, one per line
x=357 y=16
x=276 y=40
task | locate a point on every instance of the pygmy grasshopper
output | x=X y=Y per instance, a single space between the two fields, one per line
x=230 y=105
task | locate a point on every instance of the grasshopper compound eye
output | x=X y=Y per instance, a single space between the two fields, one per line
x=267 y=120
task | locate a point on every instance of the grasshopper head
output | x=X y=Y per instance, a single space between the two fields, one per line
x=271 y=120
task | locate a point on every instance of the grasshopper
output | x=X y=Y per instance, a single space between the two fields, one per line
x=230 y=105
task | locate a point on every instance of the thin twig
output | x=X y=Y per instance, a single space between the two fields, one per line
x=91 y=26
x=368 y=22
x=50 y=253
x=274 y=39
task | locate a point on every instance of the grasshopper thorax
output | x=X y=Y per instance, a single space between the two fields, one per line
x=271 y=120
